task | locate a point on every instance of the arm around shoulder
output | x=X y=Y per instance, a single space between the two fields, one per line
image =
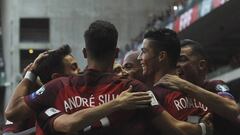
x=171 y=126
x=19 y=112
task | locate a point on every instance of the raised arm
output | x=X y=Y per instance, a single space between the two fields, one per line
x=224 y=107
x=17 y=109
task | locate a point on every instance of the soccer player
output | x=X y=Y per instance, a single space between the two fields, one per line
x=132 y=65
x=70 y=100
x=192 y=66
x=118 y=69
x=48 y=65
x=51 y=65
x=160 y=52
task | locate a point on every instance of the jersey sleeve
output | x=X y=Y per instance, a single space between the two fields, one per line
x=160 y=93
x=45 y=96
x=226 y=95
x=46 y=118
x=223 y=90
x=155 y=107
x=219 y=87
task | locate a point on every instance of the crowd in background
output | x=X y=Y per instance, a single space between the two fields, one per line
x=160 y=20
x=176 y=8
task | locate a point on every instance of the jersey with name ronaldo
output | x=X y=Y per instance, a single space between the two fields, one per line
x=90 y=89
x=181 y=106
x=184 y=107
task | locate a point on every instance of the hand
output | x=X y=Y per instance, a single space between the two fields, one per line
x=37 y=61
x=132 y=100
x=35 y=64
x=172 y=82
x=27 y=68
x=207 y=120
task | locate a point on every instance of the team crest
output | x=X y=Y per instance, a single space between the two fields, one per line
x=222 y=87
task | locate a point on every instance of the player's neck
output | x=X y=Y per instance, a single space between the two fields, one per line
x=100 y=66
x=149 y=80
x=161 y=72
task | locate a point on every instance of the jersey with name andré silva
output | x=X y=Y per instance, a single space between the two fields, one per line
x=92 y=88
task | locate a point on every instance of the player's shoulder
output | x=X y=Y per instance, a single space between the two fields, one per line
x=160 y=88
x=217 y=85
x=161 y=91
x=215 y=82
x=126 y=82
x=59 y=82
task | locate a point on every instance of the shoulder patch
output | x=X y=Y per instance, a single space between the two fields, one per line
x=51 y=111
x=40 y=91
x=222 y=87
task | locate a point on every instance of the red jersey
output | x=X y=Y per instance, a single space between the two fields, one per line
x=180 y=105
x=219 y=87
x=92 y=88
x=27 y=126
x=183 y=107
x=222 y=126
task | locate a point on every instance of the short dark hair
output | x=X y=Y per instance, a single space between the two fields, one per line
x=166 y=40
x=101 y=39
x=53 y=63
x=197 y=48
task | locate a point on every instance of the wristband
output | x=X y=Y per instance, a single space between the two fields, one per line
x=203 y=127
x=30 y=76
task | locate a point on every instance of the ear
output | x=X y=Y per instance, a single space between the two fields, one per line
x=84 y=51
x=55 y=75
x=202 y=65
x=116 y=52
x=162 y=56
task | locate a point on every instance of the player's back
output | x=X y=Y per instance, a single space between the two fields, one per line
x=93 y=88
x=180 y=105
